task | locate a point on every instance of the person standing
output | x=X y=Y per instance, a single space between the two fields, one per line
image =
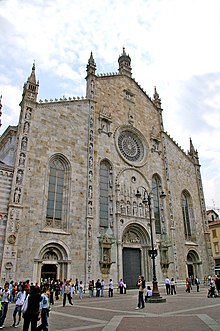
x=173 y=286
x=121 y=286
x=141 y=287
x=98 y=287
x=81 y=289
x=91 y=288
x=110 y=288
x=197 y=282
x=167 y=284
x=31 y=309
x=44 y=310
x=5 y=293
x=102 y=287
x=18 y=306
x=67 y=293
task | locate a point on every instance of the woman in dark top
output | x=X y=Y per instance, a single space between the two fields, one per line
x=32 y=314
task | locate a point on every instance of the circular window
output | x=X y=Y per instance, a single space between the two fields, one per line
x=131 y=145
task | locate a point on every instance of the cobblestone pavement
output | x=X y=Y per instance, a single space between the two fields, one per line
x=182 y=312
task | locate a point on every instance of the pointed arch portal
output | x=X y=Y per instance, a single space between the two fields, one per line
x=135 y=258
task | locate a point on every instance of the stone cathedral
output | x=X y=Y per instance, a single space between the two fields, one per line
x=82 y=181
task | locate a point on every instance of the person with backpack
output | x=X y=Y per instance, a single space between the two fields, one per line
x=44 y=310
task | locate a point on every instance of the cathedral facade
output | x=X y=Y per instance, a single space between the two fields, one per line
x=92 y=185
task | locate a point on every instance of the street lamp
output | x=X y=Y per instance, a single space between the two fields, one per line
x=152 y=252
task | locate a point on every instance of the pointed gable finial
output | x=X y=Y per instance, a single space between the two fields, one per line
x=157 y=100
x=124 y=62
x=192 y=152
x=91 y=66
x=32 y=78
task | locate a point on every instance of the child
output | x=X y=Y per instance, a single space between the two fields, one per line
x=148 y=293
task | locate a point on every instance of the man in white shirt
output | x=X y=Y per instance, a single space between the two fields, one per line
x=18 y=305
x=5 y=293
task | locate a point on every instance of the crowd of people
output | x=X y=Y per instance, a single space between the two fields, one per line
x=33 y=301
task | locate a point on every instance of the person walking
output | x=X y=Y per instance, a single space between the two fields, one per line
x=44 y=310
x=141 y=287
x=67 y=293
x=110 y=288
x=167 y=284
x=18 y=306
x=197 y=282
x=5 y=293
x=31 y=309
x=81 y=290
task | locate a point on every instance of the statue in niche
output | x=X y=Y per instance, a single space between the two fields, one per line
x=128 y=208
x=90 y=231
x=110 y=179
x=26 y=128
x=90 y=162
x=28 y=114
x=90 y=208
x=106 y=255
x=19 y=177
x=91 y=122
x=17 y=195
x=141 y=210
x=90 y=175
x=90 y=148
x=90 y=192
x=117 y=206
x=22 y=159
x=134 y=209
x=91 y=135
x=24 y=144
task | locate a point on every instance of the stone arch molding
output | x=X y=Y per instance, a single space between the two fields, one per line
x=135 y=234
x=193 y=256
x=59 y=248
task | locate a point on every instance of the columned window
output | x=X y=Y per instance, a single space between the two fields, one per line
x=104 y=193
x=58 y=188
x=188 y=216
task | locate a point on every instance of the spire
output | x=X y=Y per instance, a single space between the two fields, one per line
x=32 y=78
x=0 y=110
x=157 y=100
x=193 y=153
x=124 y=62
x=30 y=89
x=91 y=66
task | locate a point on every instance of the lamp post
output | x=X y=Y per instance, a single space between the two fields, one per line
x=152 y=252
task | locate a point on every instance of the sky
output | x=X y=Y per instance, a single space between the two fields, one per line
x=173 y=44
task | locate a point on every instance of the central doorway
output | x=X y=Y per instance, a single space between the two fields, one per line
x=131 y=266
x=49 y=271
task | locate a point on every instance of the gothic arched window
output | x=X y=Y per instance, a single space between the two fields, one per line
x=156 y=186
x=105 y=180
x=187 y=211
x=57 y=192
